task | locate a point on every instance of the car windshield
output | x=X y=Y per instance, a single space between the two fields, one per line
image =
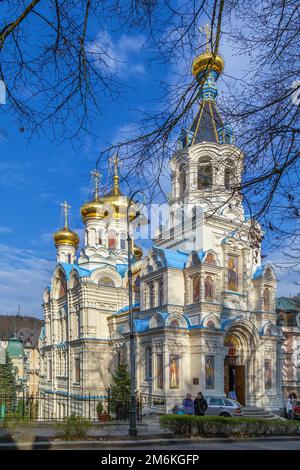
x=236 y=402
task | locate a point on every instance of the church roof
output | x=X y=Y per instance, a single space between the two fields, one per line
x=206 y=123
x=15 y=348
x=24 y=328
x=174 y=258
x=258 y=272
x=68 y=267
x=287 y=304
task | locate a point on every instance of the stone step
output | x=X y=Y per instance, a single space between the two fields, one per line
x=256 y=412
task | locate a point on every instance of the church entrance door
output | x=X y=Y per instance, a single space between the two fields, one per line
x=234 y=379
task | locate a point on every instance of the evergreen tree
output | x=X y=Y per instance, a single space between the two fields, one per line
x=120 y=386
x=7 y=386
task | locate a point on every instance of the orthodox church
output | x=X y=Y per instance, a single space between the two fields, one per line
x=204 y=304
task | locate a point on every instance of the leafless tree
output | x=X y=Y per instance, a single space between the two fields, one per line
x=57 y=81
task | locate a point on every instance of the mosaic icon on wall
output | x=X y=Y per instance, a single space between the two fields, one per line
x=268 y=374
x=196 y=289
x=232 y=273
x=174 y=371
x=209 y=372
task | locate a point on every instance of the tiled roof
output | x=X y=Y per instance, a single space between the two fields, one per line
x=26 y=328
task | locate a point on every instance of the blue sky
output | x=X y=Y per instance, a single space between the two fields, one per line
x=35 y=177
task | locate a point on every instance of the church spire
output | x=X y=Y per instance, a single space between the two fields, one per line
x=65 y=210
x=208 y=125
x=95 y=180
x=115 y=162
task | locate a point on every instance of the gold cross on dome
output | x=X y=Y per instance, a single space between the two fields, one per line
x=96 y=178
x=116 y=163
x=207 y=31
x=65 y=209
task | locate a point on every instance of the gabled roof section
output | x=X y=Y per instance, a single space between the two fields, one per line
x=68 y=267
x=287 y=304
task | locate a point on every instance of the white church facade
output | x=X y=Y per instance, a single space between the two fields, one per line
x=204 y=304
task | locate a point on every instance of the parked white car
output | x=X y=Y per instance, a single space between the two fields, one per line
x=220 y=406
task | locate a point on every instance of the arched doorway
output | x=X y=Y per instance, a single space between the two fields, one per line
x=240 y=371
x=234 y=370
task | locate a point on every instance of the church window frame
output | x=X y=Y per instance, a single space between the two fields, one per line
x=123 y=244
x=204 y=174
x=77 y=369
x=148 y=364
x=208 y=288
x=112 y=239
x=106 y=281
x=151 y=289
x=161 y=293
x=182 y=179
x=267 y=299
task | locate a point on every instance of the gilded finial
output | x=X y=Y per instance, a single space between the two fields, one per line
x=207 y=31
x=115 y=161
x=96 y=178
x=65 y=210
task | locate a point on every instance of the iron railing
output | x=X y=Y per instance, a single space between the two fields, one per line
x=57 y=407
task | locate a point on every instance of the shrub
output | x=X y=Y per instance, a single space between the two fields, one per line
x=73 y=427
x=100 y=408
x=225 y=427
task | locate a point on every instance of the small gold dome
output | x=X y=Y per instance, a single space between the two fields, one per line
x=65 y=236
x=92 y=210
x=205 y=61
x=138 y=252
x=115 y=205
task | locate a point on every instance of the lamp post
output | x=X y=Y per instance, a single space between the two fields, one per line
x=132 y=412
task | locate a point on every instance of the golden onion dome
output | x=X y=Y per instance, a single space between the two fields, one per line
x=138 y=252
x=65 y=236
x=115 y=205
x=92 y=210
x=206 y=61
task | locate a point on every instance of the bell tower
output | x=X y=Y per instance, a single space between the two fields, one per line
x=207 y=165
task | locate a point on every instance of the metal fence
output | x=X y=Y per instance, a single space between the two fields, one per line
x=57 y=407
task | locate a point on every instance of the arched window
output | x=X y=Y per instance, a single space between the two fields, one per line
x=151 y=294
x=267 y=299
x=182 y=179
x=123 y=241
x=69 y=258
x=148 y=363
x=211 y=324
x=174 y=324
x=106 y=281
x=227 y=178
x=100 y=238
x=210 y=259
x=204 y=174
x=62 y=286
x=208 y=288
x=160 y=292
x=196 y=289
x=112 y=240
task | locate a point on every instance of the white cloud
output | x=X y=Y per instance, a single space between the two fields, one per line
x=118 y=57
x=23 y=278
x=5 y=230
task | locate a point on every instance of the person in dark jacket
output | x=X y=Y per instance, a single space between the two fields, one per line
x=200 y=405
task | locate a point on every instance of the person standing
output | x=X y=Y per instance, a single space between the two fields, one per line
x=188 y=404
x=289 y=408
x=200 y=405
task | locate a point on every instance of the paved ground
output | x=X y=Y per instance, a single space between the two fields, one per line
x=245 y=445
